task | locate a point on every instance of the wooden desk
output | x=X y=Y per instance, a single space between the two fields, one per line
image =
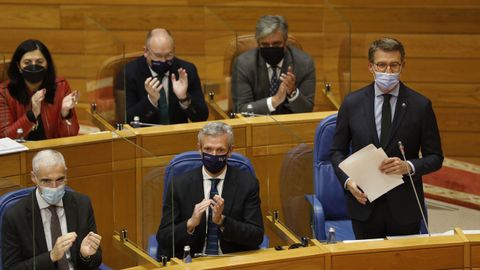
x=436 y=252
x=474 y=249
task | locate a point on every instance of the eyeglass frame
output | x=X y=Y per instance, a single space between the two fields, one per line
x=161 y=57
x=395 y=70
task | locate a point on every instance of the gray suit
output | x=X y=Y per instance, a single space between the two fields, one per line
x=251 y=85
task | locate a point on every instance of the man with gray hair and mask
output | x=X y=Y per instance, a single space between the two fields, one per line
x=216 y=207
x=274 y=78
x=52 y=228
x=162 y=88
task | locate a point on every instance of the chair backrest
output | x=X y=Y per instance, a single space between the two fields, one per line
x=108 y=91
x=6 y=201
x=326 y=185
x=190 y=160
x=237 y=46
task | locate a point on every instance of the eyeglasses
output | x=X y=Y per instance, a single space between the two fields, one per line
x=159 y=56
x=394 y=67
x=274 y=44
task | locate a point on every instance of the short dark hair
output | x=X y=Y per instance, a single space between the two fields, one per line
x=17 y=86
x=386 y=44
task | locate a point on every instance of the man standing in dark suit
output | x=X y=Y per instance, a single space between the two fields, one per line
x=51 y=228
x=274 y=78
x=216 y=208
x=161 y=88
x=384 y=113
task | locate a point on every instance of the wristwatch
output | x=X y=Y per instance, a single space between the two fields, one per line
x=293 y=93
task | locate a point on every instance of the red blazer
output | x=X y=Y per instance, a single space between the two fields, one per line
x=13 y=114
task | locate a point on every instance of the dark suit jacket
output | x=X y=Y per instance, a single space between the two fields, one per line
x=18 y=252
x=137 y=71
x=250 y=83
x=243 y=227
x=414 y=124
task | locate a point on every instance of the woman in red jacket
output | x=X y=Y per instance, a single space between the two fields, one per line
x=34 y=99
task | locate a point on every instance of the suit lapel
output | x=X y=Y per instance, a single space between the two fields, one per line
x=229 y=188
x=400 y=109
x=368 y=108
x=196 y=185
x=36 y=218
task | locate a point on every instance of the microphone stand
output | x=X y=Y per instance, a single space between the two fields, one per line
x=402 y=150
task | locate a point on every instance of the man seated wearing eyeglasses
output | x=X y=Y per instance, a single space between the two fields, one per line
x=274 y=78
x=384 y=113
x=51 y=228
x=162 y=88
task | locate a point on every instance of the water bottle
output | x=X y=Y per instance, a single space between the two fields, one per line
x=331 y=239
x=136 y=121
x=187 y=257
x=20 y=138
x=250 y=111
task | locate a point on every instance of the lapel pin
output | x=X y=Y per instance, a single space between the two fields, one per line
x=404 y=105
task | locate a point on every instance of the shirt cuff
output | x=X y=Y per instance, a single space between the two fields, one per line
x=297 y=93
x=345 y=185
x=270 y=105
x=411 y=166
x=153 y=104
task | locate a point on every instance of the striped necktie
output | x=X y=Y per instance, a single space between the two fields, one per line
x=274 y=82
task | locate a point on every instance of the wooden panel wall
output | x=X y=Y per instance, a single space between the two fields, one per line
x=441 y=39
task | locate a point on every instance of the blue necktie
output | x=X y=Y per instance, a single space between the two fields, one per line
x=274 y=82
x=212 y=232
x=386 y=120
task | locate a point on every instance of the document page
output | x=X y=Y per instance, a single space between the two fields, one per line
x=8 y=146
x=362 y=167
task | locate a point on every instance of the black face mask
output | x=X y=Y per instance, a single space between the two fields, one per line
x=161 y=67
x=214 y=164
x=272 y=55
x=34 y=73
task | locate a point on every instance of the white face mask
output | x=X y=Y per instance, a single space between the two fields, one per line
x=386 y=81
x=52 y=195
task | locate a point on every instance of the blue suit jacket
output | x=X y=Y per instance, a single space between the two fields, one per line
x=243 y=224
x=414 y=124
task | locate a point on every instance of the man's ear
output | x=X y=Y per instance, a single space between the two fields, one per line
x=145 y=52
x=370 y=67
x=230 y=151
x=33 y=178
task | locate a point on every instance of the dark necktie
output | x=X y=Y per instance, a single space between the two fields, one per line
x=212 y=230
x=163 y=107
x=274 y=82
x=56 y=231
x=386 y=120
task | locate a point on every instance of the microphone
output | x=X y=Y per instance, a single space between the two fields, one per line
x=402 y=151
x=136 y=123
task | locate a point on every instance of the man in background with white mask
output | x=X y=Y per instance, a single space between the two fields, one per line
x=62 y=223
x=384 y=113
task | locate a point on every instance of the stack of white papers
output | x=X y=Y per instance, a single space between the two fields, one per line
x=8 y=146
x=362 y=167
